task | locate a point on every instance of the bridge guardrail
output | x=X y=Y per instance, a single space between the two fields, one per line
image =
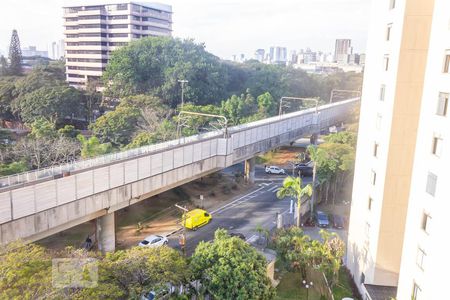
x=78 y=165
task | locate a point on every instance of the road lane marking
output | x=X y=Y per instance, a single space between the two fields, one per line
x=231 y=203
x=273 y=188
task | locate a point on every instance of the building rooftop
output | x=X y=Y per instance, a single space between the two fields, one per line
x=381 y=292
x=78 y=3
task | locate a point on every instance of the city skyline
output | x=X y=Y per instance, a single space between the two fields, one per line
x=253 y=27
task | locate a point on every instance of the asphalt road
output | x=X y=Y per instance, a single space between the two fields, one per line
x=242 y=215
x=261 y=175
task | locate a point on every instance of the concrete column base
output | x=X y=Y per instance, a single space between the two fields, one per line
x=106 y=233
x=249 y=171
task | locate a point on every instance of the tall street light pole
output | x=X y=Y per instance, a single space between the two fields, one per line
x=182 y=81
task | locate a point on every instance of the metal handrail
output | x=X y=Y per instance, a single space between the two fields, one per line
x=81 y=164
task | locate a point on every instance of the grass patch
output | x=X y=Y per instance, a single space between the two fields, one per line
x=343 y=288
x=291 y=288
x=266 y=157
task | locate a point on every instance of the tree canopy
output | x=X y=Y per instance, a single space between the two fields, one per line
x=15 y=55
x=154 y=65
x=229 y=268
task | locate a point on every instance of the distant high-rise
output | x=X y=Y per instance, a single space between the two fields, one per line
x=94 y=31
x=32 y=51
x=278 y=55
x=397 y=240
x=342 y=50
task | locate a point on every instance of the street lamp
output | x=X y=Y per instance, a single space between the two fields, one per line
x=296 y=98
x=353 y=92
x=182 y=81
x=223 y=121
x=307 y=286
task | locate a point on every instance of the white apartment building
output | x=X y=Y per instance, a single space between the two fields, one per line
x=92 y=32
x=397 y=237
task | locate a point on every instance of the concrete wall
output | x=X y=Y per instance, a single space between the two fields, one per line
x=37 y=209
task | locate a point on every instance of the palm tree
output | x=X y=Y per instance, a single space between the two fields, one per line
x=292 y=187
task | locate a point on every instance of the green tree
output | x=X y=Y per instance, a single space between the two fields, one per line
x=3 y=66
x=229 y=268
x=154 y=65
x=7 y=95
x=42 y=128
x=25 y=272
x=292 y=187
x=343 y=137
x=91 y=147
x=68 y=131
x=266 y=104
x=55 y=103
x=138 y=270
x=301 y=252
x=233 y=109
x=15 y=55
x=117 y=126
x=334 y=161
x=13 y=168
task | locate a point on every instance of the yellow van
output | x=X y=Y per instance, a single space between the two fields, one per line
x=195 y=218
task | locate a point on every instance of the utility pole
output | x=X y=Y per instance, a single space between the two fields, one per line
x=182 y=81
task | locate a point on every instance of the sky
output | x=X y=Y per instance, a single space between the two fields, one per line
x=226 y=27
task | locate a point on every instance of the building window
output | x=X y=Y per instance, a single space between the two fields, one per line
x=378 y=121
x=442 y=104
x=373 y=177
x=425 y=222
x=120 y=17
x=420 y=258
x=122 y=6
x=392 y=4
x=369 y=206
x=386 y=62
x=388 y=32
x=431 y=183
x=382 y=92
x=118 y=35
x=416 y=292
x=437 y=146
x=447 y=62
x=116 y=26
x=375 y=149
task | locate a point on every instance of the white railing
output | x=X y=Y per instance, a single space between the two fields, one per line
x=77 y=165
x=60 y=170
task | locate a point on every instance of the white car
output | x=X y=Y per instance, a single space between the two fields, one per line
x=154 y=241
x=275 y=170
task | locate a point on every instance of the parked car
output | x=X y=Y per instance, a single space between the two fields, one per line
x=306 y=169
x=196 y=218
x=154 y=241
x=275 y=170
x=308 y=220
x=337 y=221
x=322 y=219
x=238 y=235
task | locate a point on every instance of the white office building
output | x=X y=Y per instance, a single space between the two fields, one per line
x=92 y=32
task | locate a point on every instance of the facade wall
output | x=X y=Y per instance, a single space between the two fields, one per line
x=424 y=256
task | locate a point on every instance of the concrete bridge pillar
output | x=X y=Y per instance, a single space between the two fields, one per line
x=106 y=233
x=249 y=171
